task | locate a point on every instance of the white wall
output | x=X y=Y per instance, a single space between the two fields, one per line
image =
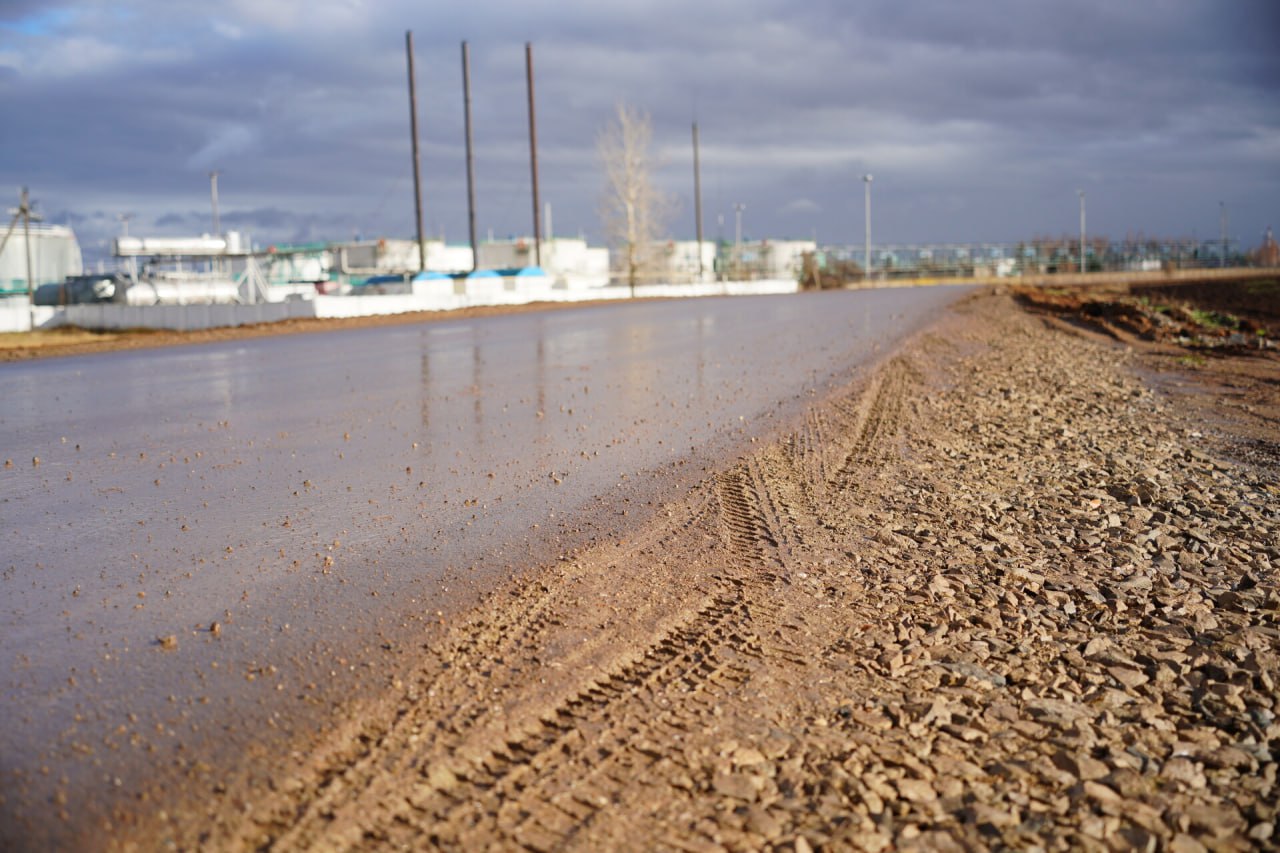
x=108 y=315
x=427 y=295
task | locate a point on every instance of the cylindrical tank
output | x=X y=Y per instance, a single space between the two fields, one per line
x=186 y=247
x=178 y=289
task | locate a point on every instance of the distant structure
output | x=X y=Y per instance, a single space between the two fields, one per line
x=1268 y=254
x=568 y=261
x=55 y=255
x=680 y=261
x=764 y=259
x=382 y=257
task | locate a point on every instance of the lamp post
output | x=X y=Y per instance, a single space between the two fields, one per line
x=866 y=273
x=1081 y=194
x=737 y=237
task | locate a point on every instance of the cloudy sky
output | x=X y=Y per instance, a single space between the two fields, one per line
x=979 y=120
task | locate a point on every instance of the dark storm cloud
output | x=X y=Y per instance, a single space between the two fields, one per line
x=980 y=120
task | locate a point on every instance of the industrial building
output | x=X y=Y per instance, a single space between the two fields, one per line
x=54 y=253
x=568 y=262
x=683 y=261
x=763 y=259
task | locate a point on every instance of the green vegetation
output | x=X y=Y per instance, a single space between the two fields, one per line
x=1157 y=307
x=1214 y=319
x=1192 y=360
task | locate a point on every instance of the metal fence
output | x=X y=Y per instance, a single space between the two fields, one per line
x=1031 y=257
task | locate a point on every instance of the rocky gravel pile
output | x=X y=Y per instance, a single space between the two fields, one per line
x=1079 y=622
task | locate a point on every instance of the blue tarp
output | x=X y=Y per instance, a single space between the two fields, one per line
x=380 y=279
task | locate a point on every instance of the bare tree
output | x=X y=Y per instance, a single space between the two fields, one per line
x=633 y=210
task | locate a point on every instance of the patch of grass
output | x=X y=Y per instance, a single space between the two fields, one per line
x=1193 y=360
x=1214 y=319
x=1154 y=307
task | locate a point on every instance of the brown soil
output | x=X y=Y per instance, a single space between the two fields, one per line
x=999 y=594
x=1214 y=346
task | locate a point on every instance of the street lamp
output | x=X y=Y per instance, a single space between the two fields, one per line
x=1081 y=194
x=867 y=271
x=737 y=237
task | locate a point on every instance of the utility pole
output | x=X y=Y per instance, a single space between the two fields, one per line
x=215 y=263
x=471 y=171
x=417 y=161
x=737 y=237
x=721 y=271
x=697 y=198
x=124 y=232
x=1223 y=218
x=213 y=196
x=1081 y=192
x=866 y=273
x=27 y=216
x=24 y=212
x=533 y=154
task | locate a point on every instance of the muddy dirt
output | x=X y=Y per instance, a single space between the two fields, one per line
x=1015 y=589
x=1214 y=346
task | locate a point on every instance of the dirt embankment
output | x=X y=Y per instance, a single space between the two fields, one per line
x=998 y=593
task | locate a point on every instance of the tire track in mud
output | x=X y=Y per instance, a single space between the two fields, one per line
x=548 y=779
x=459 y=763
x=348 y=771
x=714 y=661
x=749 y=536
x=550 y=784
x=873 y=420
x=574 y=751
x=355 y=789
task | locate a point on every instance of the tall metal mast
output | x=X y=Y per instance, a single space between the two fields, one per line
x=866 y=273
x=417 y=165
x=697 y=197
x=533 y=154
x=213 y=197
x=1082 y=264
x=471 y=170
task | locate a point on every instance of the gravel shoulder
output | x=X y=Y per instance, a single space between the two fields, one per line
x=1016 y=587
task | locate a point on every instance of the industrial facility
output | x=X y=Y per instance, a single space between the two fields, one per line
x=36 y=255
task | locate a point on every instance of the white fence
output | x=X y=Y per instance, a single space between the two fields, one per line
x=16 y=315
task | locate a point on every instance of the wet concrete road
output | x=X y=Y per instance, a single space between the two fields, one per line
x=204 y=548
